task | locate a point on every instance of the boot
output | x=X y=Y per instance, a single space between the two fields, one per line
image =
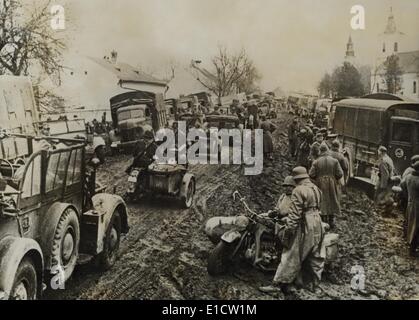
x=275 y=289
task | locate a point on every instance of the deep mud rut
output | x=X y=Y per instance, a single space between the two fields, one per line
x=165 y=253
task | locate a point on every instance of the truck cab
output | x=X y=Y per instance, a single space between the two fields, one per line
x=134 y=113
x=403 y=141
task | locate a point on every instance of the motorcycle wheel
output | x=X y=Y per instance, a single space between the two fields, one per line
x=219 y=259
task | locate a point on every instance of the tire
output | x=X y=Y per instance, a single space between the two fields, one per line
x=187 y=200
x=65 y=248
x=219 y=259
x=25 y=283
x=107 y=257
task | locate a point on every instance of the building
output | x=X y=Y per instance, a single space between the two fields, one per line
x=89 y=82
x=350 y=52
x=394 y=42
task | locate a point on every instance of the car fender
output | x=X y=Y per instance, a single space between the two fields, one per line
x=106 y=204
x=185 y=181
x=231 y=236
x=12 y=251
x=47 y=230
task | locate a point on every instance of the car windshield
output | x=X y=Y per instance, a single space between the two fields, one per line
x=131 y=114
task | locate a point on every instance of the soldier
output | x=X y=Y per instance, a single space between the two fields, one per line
x=383 y=195
x=315 y=147
x=283 y=207
x=268 y=146
x=330 y=138
x=216 y=110
x=268 y=124
x=143 y=152
x=335 y=153
x=410 y=189
x=303 y=151
x=326 y=172
x=293 y=137
x=301 y=236
x=410 y=169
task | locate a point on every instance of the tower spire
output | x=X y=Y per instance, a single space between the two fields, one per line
x=350 y=52
x=391 y=23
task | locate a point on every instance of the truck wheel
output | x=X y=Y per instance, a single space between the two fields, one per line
x=107 y=258
x=219 y=259
x=190 y=192
x=25 y=284
x=65 y=247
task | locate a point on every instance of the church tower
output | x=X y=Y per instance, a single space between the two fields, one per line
x=392 y=39
x=350 y=52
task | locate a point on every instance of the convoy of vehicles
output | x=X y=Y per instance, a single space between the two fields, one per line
x=51 y=212
x=364 y=124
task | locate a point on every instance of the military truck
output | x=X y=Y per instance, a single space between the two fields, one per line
x=133 y=113
x=364 y=124
x=51 y=214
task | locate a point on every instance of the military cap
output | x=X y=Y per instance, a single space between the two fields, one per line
x=299 y=173
x=288 y=182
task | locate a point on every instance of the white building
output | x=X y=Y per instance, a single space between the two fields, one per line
x=89 y=83
x=393 y=41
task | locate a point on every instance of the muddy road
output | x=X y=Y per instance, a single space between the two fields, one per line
x=165 y=253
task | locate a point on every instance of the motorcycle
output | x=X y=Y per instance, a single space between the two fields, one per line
x=250 y=236
x=253 y=237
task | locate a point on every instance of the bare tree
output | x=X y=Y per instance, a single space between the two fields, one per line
x=27 y=40
x=231 y=73
x=393 y=74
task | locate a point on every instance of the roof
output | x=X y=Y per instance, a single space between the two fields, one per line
x=127 y=73
x=409 y=61
x=387 y=96
x=380 y=105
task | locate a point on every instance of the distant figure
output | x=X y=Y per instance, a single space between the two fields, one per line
x=268 y=146
x=293 y=137
x=383 y=195
x=338 y=155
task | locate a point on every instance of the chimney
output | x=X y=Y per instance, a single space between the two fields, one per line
x=114 y=56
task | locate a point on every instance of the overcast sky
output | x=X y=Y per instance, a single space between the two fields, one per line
x=291 y=42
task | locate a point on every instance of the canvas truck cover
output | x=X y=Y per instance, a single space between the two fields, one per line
x=367 y=119
x=18 y=110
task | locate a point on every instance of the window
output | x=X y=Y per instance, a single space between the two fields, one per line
x=414 y=87
x=384 y=47
x=57 y=164
x=378 y=87
x=32 y=183
x=402 y=132
x=396 y=47
x=74 y=167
